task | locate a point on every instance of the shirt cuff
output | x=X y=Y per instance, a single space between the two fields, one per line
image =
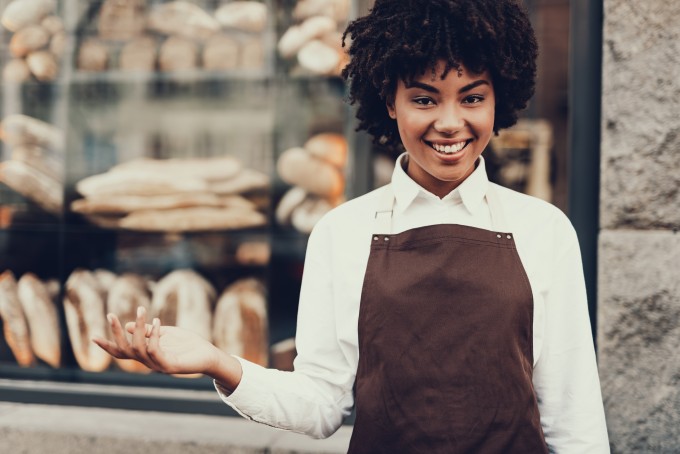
x=248 y=397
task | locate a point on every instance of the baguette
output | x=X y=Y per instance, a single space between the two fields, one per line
x=253 y=253
x=182 y=19
x=248 y=16
x=290 y=200
x=33 y=184
x=336 y=9
x=138 y=183
x=308 y=213
x=17 y=129
x=15 y=326
x=209 y=169
x=245 y=181
x=37 y=158
x=127 y=293
x=240 y=321
x=193 y=219
x=318 y=58
x=41 y=315
x=298 y=167
x=123 y=204
x=84 y=307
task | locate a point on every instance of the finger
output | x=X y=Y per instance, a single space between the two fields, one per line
x=155 y=353
x=119 y=337
x=139 y=345
x=130 y=327
x=109 y=347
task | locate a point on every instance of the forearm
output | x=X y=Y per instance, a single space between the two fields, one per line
x=225 y=370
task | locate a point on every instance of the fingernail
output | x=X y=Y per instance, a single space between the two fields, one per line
x=140 y=311
x=156 y=322
x=109 y=317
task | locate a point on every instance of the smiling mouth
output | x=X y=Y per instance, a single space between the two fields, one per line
x=449 y=149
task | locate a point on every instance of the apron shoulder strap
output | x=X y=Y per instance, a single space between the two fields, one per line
x=383 y=216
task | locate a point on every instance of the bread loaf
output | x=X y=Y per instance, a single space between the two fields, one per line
x=53 y=24
x=84 y=307
x=318 y=58
x=17 y=129
x=27 y=40
x=182 y=19
x=123 y=204
x=57 y=44
x=138 y=182
x=33 y=184
x=128 y=292
x=248 y=16
x=104 y=278
x=338 y=10
x=308 y=213
x=330 y=147
x=21 y=13
x=41 y=315
x=193 y=219
x=138 y=54
x=15 y=326
x=185 y=299
x=244 y=181
x=253 y=253
x=121 y=19
x=36 y=157
x=93 y=56
x=240 y=321
x=290 y=200
x=283 y=354
x=177 y=54
x=252 y=54
x=43 y=65
x=221 y=52
x=209 y=169
x=297 y=167
x=16 y=71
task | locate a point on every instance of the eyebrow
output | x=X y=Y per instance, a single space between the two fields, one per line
x=431 y=89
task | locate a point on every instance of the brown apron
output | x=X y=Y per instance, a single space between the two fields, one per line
x=445 y=342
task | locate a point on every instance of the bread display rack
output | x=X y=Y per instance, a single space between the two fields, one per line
x=168 y=154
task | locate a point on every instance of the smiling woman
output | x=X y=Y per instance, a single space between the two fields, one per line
x=445 y=120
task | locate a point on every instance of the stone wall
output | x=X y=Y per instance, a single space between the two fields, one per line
x=639 y=243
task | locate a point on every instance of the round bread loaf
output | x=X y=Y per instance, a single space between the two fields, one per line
x=308 y=213
x=93 y=55
x=330 y=147
x=58 y=44
x=138 y=54
x=16 y=71
x=178 y=53
x=290 y=200
x=53 y=24
x=336 y=9
x=28 y=39
x=121 y=19
x=21 y=13
x=43 y=65
x=221 y=52
x=318 y=58
x=183 y=19
x=298 y=167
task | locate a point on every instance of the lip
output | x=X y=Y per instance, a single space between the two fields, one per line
x=454 y=157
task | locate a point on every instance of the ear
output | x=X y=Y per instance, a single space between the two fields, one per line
x=391 y=111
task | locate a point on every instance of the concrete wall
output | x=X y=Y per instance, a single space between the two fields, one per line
x=639 y=244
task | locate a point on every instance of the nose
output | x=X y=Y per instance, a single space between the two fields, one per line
x=449 y=120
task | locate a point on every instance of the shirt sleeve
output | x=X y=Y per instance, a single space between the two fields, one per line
x=317 y=396
x=565 y=377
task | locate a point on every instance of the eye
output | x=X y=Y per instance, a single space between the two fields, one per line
x=423 y=101
x=473 y=99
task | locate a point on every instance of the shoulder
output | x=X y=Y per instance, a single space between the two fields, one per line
x=534 y=217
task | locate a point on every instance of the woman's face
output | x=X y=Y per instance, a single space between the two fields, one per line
x=444 y=124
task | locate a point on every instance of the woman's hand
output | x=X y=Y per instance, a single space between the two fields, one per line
x=170 y=350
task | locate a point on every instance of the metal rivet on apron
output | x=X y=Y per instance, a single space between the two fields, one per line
x=498 y=235
x=387 y=239
x=509 y=237
x=375 y=238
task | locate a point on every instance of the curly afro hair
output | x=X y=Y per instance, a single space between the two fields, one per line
x=402 y=39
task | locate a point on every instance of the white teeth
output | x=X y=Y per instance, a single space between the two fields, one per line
x=449 y=149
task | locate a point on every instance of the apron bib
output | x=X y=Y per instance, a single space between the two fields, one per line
x=445 y=342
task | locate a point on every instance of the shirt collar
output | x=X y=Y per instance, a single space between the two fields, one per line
x=470 y=192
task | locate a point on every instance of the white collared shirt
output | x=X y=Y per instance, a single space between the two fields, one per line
x=318 y=395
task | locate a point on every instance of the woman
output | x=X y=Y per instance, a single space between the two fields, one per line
x=449 y=311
